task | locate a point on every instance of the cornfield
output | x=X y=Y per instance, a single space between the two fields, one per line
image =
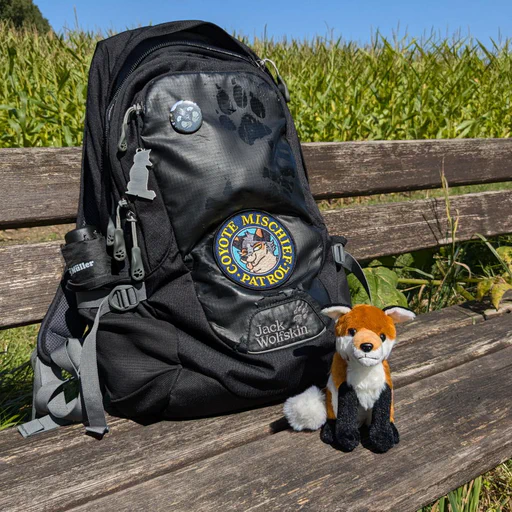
x=400 y=89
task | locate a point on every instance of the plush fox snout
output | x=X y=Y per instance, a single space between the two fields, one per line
x=365 y=347
x=366 y=340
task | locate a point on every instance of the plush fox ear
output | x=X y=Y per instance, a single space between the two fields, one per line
x=336 y=310
x=399 y=314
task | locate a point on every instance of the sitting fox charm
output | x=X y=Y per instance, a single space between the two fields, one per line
x=139 y=175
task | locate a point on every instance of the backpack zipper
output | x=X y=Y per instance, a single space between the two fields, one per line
x=177 y=43
x=134 y=109
x=281 y=84
x=138 y=107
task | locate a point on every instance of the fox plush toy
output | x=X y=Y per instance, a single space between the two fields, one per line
x=359 y=389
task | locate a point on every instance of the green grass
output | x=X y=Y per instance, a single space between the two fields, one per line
x=16 y=346
x=390 y=89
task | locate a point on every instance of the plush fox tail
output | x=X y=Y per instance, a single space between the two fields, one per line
x=306 y=411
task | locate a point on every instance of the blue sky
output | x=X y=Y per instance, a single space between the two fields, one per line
x=353 y=20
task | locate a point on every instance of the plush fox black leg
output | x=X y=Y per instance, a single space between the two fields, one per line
x=346 y=429
x=327 y=434
x=382 y=434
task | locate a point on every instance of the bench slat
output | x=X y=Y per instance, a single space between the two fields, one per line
x=349 y=169
x=454 y=426
x=396 y=228
x=29 y=273
x=425 y=326
x=29 y=276
x=117 y=461
x=41 y=185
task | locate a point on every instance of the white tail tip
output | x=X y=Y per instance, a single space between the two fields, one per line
x=306 y=411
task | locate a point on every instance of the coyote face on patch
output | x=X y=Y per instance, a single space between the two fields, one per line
x=256 y=251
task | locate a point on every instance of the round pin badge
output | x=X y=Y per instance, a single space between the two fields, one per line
x=255 y=250
x=186 y=116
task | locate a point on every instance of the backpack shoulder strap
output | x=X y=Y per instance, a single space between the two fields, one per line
x=78 y=358
x=349 y=263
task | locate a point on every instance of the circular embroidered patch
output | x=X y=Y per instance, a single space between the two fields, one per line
x=255 y=250
x=186 y=116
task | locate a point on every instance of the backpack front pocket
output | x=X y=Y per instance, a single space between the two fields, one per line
x=253 y=276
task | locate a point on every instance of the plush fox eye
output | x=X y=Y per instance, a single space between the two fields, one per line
x=352 y=332
x=383 y=337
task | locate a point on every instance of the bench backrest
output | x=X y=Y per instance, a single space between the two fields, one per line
x=40 y=186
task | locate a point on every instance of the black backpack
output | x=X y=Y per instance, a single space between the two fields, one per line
x=200 y=263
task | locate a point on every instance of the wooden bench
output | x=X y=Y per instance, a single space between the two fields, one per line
x=452 y=368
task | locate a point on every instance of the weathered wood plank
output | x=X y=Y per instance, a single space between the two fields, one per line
x=396 y=228
x=427 y=325
x=441 y=351
x=96 y=468
x=39 y=185
x=49 y=177
x=372 y=231
x=29 y=276
x=361 y=168
x=454 y=426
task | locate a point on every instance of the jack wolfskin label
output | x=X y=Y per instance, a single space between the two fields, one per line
x=282 y=325
x=255 y=250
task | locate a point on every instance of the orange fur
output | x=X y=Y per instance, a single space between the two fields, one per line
x=338 y=370
x=364 y=316
x=328 y=403
x=339 y=376
x=389 y=382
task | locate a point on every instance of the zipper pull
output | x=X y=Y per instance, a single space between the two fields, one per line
x=281 y=84
x=136 y=266
x=119 y=243
x=122 y=146
x=111 y=228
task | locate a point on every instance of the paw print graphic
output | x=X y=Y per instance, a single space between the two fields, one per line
x=186 y=117
x=243 y=109
x=300 y=313
x=138 y=274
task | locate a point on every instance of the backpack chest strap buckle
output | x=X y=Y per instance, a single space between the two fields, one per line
x=126 y=297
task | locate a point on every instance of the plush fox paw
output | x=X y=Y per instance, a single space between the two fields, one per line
x=327 y=434
x=346 y=439
x=396 y=435
x=383 y=437
x=338 y=435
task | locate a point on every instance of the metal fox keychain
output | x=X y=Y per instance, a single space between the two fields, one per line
x=139 y=175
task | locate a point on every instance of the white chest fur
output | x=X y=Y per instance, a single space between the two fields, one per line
x=368 y=383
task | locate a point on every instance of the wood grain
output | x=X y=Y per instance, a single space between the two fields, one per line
x=424 y=326
x=396 y=228
x=346 y=169
x=454 y=426
x=133 y=453
x=29 y=274
x=50 y=177
x=39 y=185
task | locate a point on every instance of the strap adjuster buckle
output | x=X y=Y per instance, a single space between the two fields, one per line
x=123 y=298
x=338 y=253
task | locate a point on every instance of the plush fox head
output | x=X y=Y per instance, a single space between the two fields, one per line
x=366 y=334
